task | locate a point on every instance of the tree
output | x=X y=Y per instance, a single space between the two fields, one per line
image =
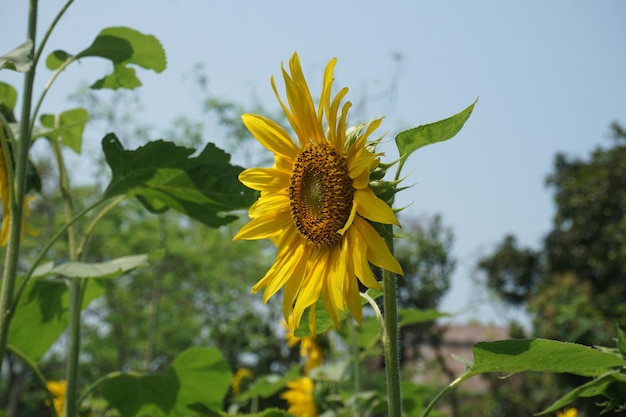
x=573 y=286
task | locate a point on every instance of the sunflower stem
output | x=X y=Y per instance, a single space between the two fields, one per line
x=16 y=203
x=390 y=336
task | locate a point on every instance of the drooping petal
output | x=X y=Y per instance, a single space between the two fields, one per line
x=270 y=134
x=358 y=247
x=377 y=251
x=312 y=285
x=373 y=208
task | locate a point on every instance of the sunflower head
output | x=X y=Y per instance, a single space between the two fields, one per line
x=316 y=201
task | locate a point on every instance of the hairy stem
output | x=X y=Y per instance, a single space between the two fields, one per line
x=390 y=336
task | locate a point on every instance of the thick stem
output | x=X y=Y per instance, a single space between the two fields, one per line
x=17 y=201
x=390 y=337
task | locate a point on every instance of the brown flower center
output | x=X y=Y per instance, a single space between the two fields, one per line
x=321 y=194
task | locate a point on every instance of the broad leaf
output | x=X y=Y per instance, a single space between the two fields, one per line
x=540 y=355
x=164 y=175
x=593 y=388
x=122 y=46
x=42 y=315
x=20 y=59
x=8 y=96
x=197 y=378
x=69 y=126
x=268 y=385
x=109 y=269
x=411 y=140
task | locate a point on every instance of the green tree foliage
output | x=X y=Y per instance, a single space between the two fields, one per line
x=425 y=256
x=573 y=286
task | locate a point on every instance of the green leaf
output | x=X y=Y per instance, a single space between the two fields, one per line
x=332 y=372
x=198 y=377
x=8 y=96
x=540 y=355
x=56 y=59
x=42 y=315
x=69 y=126
x=595 y=387
x=122 y=46
x=621 y=342
x=110 y=269
x=268 y=385
x=409 y=316
x=164 y=175
x=411 y=140
x=20 y=59
x=121 y=77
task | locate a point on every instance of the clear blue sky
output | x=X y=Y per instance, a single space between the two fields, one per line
x=550 y=76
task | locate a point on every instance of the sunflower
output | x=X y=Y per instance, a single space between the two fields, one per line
x=309 y=348
x=239 y=378
x=315 y=202
x=300 y=397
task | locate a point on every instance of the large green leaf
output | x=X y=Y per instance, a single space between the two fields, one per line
x=69 y=126
x=411 y=140
x=42 y=315
x=122 y=46
x=8 y=96
x=607 y=385
x=20 y=59
x=541 y=355
x=197 y=378
x=164 y=175
x=109 y=269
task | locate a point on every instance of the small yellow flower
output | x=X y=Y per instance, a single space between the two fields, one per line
x=316 y=201
x=568 y=412
x=309 y=348
x=238 y=379
x=58 y=390
x=300 y=398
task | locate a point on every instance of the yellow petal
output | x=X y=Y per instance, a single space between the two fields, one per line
x=269 y=205
x=264 y=227
x=377 y=251
x=292 y=267
x=373 y=208
x=271 y=135
x=358 y=247
x=265 y=179
x=311 y=286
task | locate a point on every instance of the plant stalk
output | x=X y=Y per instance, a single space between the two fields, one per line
x=76 y=286
x=390 y=336
x=16 y=204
